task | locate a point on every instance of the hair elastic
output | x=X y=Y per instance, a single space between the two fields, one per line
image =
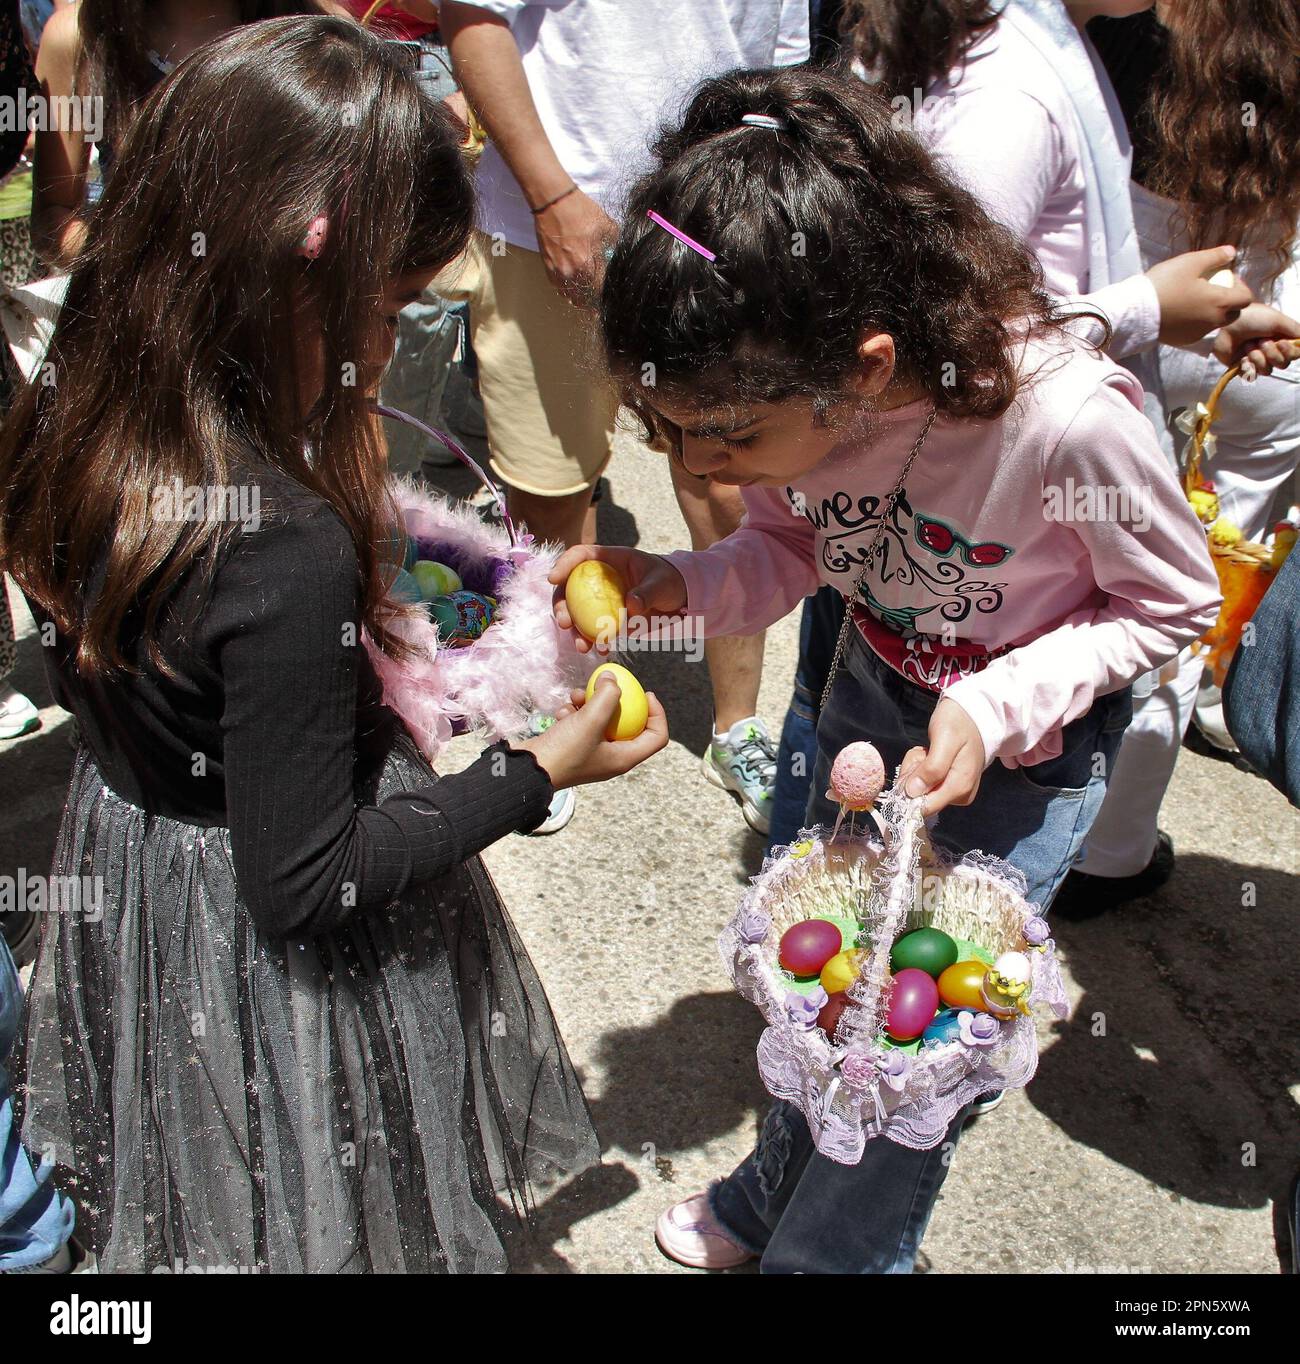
x=680 y=235
x=777 y=125
x=313 y=242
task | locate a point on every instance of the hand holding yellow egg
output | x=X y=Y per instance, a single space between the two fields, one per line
x=594 y=594
x=633 y=708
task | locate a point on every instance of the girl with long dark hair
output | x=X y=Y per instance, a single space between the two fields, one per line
x=298 y=1031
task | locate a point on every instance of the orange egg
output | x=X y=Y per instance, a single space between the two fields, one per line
x=959 y=985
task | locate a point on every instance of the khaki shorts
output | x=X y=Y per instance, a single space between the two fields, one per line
x=550 y=409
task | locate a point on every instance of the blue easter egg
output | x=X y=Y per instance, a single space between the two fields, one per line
x=944 y=1027
x=461 y=617
x=404 y=587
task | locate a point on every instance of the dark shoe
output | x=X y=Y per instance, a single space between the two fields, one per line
x=1083 y=896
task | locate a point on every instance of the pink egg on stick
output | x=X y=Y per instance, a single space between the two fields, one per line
x=857 y=776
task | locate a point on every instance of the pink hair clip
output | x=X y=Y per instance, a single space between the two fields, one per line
x=680 y=235
x=313 y=243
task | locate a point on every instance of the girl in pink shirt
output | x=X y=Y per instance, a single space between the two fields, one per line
x=801 y=303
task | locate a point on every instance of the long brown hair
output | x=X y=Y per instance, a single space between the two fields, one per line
x=177 y=351
x=907 y=45
x=838 y=224
x=113 y=60
x=1227 y=122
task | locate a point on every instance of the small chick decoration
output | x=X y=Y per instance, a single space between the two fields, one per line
x=1006 y=985
x=1205 y=502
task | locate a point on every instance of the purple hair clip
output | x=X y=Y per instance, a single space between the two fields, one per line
x=680 y=235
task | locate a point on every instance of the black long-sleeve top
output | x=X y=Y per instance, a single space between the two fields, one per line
x=273 y=725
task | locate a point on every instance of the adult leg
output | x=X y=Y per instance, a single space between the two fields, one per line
x=35 y=1220
x=550 y=417
x=711 y=513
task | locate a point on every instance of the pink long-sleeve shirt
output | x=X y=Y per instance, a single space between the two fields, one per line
x=1034 y=563
x=1002 y=126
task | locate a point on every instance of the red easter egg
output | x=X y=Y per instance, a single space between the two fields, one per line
x=912 y=1003
x=829 y=1017
x=807 y=947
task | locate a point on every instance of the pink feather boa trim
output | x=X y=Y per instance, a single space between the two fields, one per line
x=523 y=663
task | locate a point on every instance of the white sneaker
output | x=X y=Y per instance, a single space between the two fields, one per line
x=17 y=714
x=1208 y=716
x=561 y=812
x=744 y=763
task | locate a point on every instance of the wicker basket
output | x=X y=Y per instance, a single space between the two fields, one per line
x=1246 y=569
x=856 y=1086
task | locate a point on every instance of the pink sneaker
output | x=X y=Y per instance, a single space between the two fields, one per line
x=690 y=1234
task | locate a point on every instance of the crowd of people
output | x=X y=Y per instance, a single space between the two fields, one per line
x=878 y=278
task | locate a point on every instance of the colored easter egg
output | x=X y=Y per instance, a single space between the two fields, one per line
x=927 y=949
x=806 y=947
x=435 y=579
x=594 y=594
x=944 y=1027
x=857 y=776
x=633 y=708
x=461 y=617
x=404 y=587
x=829 y=1017
x=961 y=985
x=912 y=1003
x=840 y=972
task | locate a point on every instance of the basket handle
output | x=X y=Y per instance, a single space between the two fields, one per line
x=1192 y=478
x=454 y=447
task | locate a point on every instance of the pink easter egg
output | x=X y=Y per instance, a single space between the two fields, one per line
x=857 y=776
x=912 y=1004
x=806 y=947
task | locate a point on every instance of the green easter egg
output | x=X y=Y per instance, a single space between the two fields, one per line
x=435 y=579
x=925 y=949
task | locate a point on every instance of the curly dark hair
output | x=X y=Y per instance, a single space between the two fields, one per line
x=907 y=45
x=1227 y=122
x=838 y=225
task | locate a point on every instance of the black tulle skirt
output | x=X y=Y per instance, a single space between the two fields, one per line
x=382 y=1098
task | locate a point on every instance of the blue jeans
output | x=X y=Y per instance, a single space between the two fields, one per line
x=35 y=1219
x=800 y=1211
x=796 y=756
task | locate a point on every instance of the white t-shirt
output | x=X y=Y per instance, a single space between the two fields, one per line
x=605 y=74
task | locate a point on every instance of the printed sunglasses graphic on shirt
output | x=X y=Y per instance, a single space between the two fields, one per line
x=942 y=540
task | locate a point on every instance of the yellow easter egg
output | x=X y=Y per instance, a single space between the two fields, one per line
x=633 y=708
x=840 y=972
x=594 y=594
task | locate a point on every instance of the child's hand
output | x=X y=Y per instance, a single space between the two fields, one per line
x=574 y=751
x=1190 y=306
x=654 y=586
x=1261 y=340
x=951 y=768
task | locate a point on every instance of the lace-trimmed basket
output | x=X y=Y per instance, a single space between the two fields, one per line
x=854 y=1087
x=521 y=664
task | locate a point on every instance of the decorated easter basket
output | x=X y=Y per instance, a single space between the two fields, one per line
x=1245 y=568
x=852 y=1083
x=521 y=664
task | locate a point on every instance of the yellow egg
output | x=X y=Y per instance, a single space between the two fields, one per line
x=594 y=594
x=840 y=972
x=633 y=708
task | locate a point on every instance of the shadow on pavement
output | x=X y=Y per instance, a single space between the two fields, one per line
x=1178 y=1059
